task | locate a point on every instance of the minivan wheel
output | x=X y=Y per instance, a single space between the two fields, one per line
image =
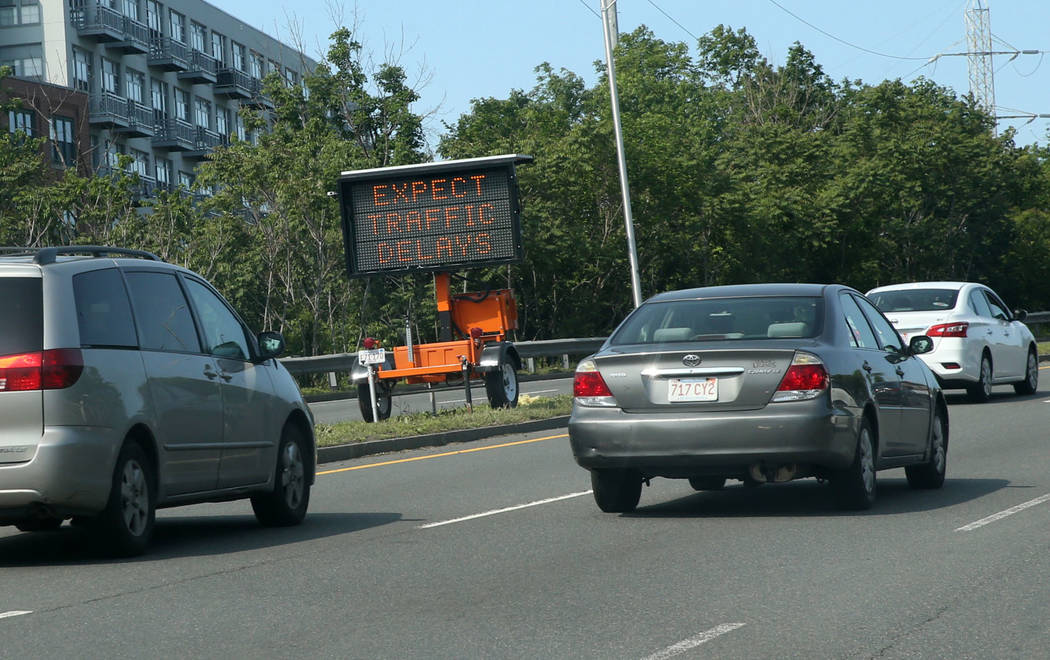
x=616 y=491
x=931 y=473
x=856 y=486
x=981 y=391
x=286 y=504
x=1031 y=375
x=126 y=524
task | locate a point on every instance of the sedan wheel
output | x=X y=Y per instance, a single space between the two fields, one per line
x=931 y=473
x=982 y=390
x=616 y=491
x=856 y=485
x=1031 y=376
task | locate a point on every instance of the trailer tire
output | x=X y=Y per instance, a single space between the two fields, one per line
x=384 y=396
x=501 y=386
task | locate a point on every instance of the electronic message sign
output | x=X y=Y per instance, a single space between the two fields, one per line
x=448 y=215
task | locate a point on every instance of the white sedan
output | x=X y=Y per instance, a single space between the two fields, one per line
x=977 y=341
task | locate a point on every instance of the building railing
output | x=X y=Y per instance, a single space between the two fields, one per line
x=174 y=132
x=168 y=53
x=94 y=20
x=107 y=106
x=234 y=82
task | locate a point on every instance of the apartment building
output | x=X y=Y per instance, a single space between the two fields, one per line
x=164 y=79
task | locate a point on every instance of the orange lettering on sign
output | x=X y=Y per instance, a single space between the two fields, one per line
x=400 y=192
x=482 y=241
x=462 y=245
x=385 y=253
x=470 y=214
x=419 y=252
x=418 y=188
x=443 y=245
x=438 y=186
x=436 y=213
x=378 y=195
x=374 y=217
x=477 y=178
x=413 y=218
x=487 y=219
x=451 y=215
x=456 y=179
x=393 y=223
x=402 y=250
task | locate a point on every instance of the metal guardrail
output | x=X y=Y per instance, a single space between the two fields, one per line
x=526 y=349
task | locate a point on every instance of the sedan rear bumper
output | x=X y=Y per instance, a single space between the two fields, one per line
x=805 y=433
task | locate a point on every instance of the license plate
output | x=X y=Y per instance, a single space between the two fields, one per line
x=372 y=356
x=692 y=389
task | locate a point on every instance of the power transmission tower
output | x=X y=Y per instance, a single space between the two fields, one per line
x=979 y=55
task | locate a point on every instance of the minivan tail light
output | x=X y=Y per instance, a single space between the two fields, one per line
x=53 y=369
x=949 y=330
x=589 y=388
x=806 y=378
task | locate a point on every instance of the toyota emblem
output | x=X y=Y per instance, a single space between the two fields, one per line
x=691 y=360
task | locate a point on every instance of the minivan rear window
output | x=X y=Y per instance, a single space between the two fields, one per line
x=22 y=323
x=719 y=319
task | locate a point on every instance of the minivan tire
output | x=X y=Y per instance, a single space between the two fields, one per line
x=286 y=504
x=125 y=526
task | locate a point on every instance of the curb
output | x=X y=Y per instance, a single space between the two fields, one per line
x=387 y=445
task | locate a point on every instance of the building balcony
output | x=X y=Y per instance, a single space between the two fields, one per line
x=107 y=110
x=110 y=26
x=140 y=121
x=170 y=55
x=204 y=142
x=234 y=84
x=173 y=134
x=202 y=69
x=257 y=99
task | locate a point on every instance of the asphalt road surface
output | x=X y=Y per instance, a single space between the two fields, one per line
x=330 y=412
x=496 y=549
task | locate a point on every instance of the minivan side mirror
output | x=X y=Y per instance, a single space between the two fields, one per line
x=1020 y=314
x=920 y=344
x=271 y=345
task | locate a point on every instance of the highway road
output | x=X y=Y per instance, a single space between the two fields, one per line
x=404 y=402
x=496 y=550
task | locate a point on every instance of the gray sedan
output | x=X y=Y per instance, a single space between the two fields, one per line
x=760 y=383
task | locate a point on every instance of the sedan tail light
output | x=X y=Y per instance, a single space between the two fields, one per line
x=589 y=388
x=53 y=369
x=949 y=330
x=806 y=378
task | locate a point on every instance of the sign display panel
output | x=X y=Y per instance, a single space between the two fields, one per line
x=440 y=216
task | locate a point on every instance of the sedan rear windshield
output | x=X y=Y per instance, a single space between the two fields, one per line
x=720 y=319
x=915 y=300
x=22 y=323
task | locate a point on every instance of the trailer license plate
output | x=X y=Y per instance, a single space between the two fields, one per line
x=692 y=389
x=372 y=356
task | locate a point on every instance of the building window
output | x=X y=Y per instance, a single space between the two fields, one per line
x=202 y=112
x=110 y=76
x=256 y=61
x=81 y=70
x=19 y=12
x=176 y=23
x=131 y=9
x=238 y=126
x=222 y=122
x=63 y=145
x=198 y=36
x=182 y=105
x=185 y=180
x=136 y=85
x=163 y=169
x=218 y=47
x=158 y=93
x=291 y=77
x=140 y=163
x=153 y=14
x=27 y=60
x=238 y=56
x=20 y=120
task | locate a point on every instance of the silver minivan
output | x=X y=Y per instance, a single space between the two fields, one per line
x=128 y=384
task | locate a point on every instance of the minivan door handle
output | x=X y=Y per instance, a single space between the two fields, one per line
x=866 y=366
x=209 y=374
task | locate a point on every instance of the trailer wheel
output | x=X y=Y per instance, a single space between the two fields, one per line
x=501 y=386
x=383 y=400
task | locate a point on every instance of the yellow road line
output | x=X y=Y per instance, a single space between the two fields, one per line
x=448 y=453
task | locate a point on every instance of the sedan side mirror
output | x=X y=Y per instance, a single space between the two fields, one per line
x=271 y=345
x=920 y=344
x=1020 y=314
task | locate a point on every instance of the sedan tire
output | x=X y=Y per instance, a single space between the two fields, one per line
x=1031 y=375
x=616 y=491
x=981 y=391
x=856 y=486
x=930 y=474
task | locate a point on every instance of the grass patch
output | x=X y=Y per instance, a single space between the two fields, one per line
x=529 y=408
x=1043 y=347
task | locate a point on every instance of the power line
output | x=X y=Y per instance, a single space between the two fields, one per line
x=841 y=41
x=590 y=9
x=671 y=18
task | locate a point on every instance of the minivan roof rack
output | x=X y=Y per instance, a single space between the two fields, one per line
x=47 y=255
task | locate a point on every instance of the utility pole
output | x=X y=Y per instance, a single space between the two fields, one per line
x=611 y=35
x=979 y=55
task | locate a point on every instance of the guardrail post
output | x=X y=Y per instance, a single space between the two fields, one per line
x=333 y=382
x=532 y=364
x=565 y=361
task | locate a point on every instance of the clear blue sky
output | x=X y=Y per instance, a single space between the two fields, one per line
x=466 y=49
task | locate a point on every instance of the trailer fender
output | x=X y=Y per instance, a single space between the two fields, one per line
x=359 y=372
x=496 y=353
